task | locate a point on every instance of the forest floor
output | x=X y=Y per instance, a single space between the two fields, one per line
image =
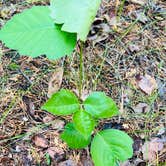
x=124 y=56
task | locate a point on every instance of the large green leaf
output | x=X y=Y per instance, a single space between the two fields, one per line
x=84 y=123
x=75 y=15
x=110 y=146
x=100 y=106
x=63 y=102
x=73 y=138
x=34 y=33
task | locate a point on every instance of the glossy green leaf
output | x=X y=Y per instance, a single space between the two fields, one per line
x=73 y=138
x=100 y=106
x=110 y=146
x=63 y=102
x=84 y=123
x=75 y=15
x=34 y=33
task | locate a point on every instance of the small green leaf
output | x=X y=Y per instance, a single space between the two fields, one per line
x=73 y=138
x=48 y=160
x=100 y=106
x=84 y=123
x=63 y=102
x=75 y=15
x=34 y=33
x=110 y=146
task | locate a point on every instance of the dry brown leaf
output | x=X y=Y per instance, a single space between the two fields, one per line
x=48 y=118
x=146 y=83
x=55 y=151
x=139 y=2
x=141 y=108
x=67 y=162
x=87 y=162
x=58 y=125
x=1 y=70
x=55 y=81
x=40 y=141
x=150 y=149
x=134 y=47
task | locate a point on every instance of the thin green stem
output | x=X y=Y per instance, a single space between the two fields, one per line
x=81 y=68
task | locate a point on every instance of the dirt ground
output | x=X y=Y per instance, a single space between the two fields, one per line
x=124 y=56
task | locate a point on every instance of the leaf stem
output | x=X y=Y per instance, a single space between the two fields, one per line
x=81 y=68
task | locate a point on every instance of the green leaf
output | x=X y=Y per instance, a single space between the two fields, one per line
x=110 y=146
x=63 y=102
x=33 y=33
x=73 y=138
x=100 y=106
x=75 y=15
x=84 y=123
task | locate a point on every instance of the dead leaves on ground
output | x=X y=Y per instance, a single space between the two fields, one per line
x=141 y=108
x=145 y=83
x=55 y=81
x=40 y=141
x=151 y=149
x=1 y=70
x=139 y=2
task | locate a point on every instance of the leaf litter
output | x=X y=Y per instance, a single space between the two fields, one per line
x=55 y=81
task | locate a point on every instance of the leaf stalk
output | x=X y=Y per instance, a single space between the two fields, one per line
x=81 y=68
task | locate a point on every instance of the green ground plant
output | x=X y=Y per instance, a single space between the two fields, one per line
x=53 y=31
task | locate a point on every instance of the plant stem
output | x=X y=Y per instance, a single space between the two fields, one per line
x=81 y=68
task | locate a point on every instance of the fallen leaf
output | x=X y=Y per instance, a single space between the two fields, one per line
x=40 y=141
x=55 y=153
x=55 y=81
x=141 y=108
x=150 y=149
x=58 y=125
x=139 y=2
x=146 y=83
x=87 y=162
x=141 y=17
x=134 y=47
x=1 y=70
x=48 y=118
x=67 y=163
x=161 y=89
